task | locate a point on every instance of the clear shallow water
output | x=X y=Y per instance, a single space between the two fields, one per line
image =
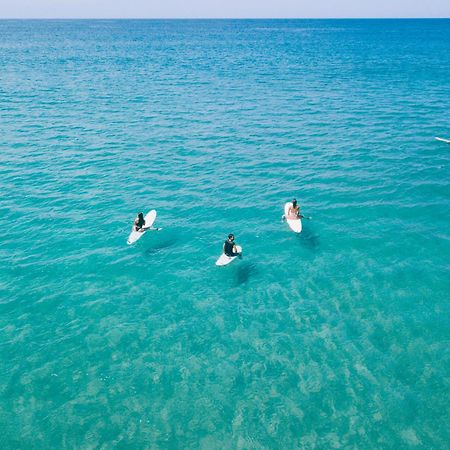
x=334 y=338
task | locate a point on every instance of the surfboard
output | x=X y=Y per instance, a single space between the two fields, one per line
x=447 y=141
x=294 y=224
x=149 y=218
x=224 y=259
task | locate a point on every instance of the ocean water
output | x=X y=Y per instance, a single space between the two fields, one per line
x=334 y=338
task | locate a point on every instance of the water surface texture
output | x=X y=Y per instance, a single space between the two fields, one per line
x=334 y=338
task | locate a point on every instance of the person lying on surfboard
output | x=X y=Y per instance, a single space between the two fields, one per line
x=294 y=211
x=229 y=246
x=139 y=223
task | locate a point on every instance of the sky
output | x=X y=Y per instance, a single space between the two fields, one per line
x=223 y=8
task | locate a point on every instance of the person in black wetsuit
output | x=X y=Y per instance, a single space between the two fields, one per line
x=229 y=246
x=139 y=223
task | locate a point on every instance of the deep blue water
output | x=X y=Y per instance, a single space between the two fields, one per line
x=334 y=338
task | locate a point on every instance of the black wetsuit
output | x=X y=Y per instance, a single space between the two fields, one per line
x=229 y=248
x=140 y=224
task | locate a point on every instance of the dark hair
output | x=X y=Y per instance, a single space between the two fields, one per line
x=141 y=216
x=294 y=202
x=231 y=236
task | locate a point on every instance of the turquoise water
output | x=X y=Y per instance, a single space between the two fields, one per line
x=334 y=338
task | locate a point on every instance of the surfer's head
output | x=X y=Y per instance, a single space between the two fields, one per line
x=141 y=216
x=231 y=237
x=294 y=203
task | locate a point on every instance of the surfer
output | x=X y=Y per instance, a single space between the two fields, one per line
x=294 y=211
x=142 y=224
x=139 y=223
x=229 y=246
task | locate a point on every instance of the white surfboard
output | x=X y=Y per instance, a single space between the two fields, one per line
x=294 y=224
x=447 y=141
x=224 y=259
x=149 y=218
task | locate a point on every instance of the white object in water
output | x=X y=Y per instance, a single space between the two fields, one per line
x=224 y=259
x=294 y=224
x=447 y=141
x=149 y=218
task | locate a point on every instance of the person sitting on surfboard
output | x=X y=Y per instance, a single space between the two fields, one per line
x=294 y=211
x=139 y=223
x=229 y=246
